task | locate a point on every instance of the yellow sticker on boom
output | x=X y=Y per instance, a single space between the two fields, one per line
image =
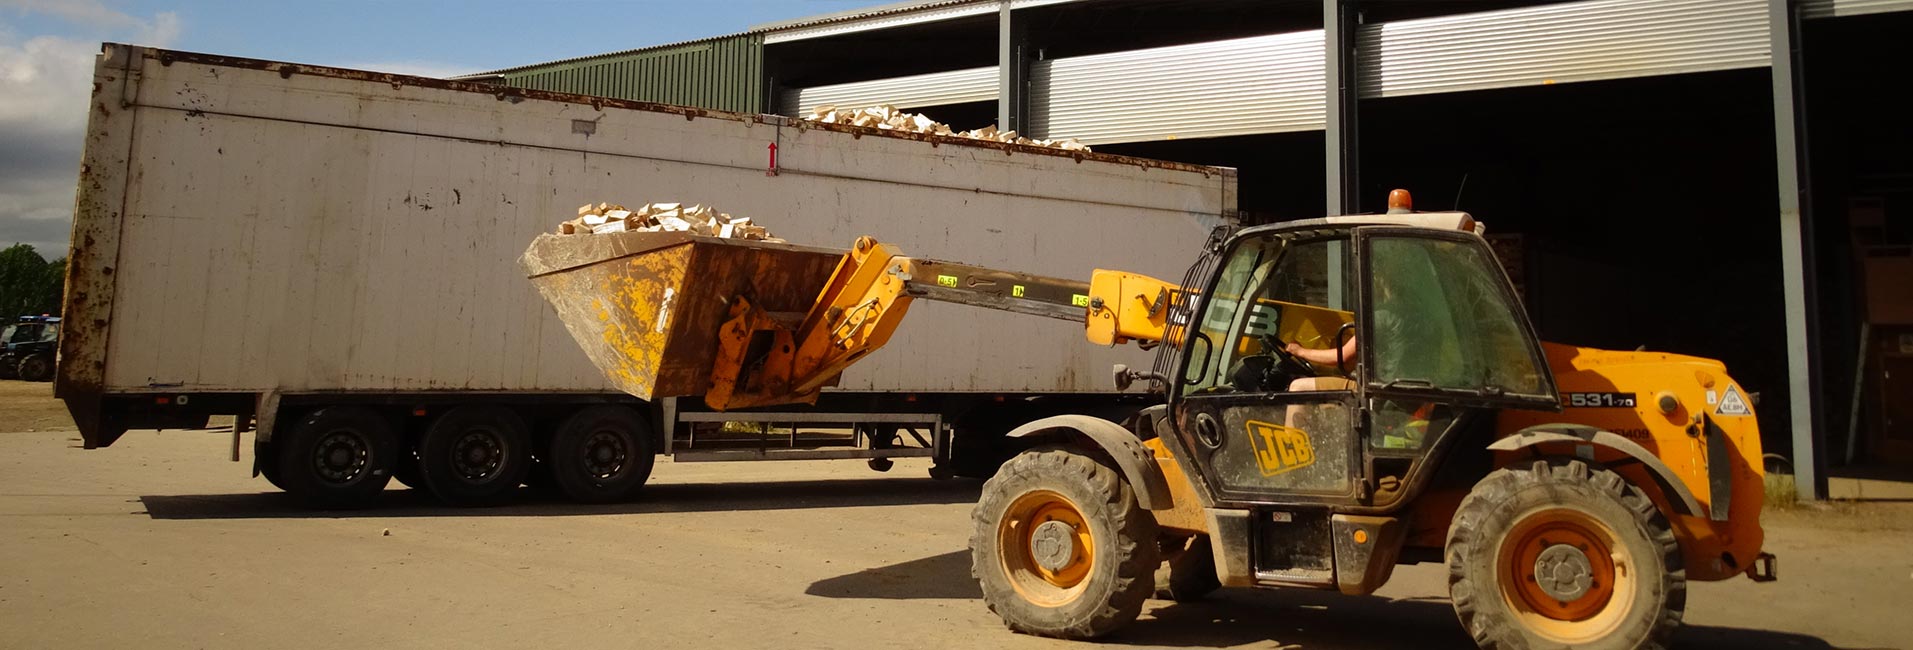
x=1280 y=449
x=1079 y=300
x=946 y=280
x=1016 y=291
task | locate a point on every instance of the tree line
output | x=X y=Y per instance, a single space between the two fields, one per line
x=29 y=283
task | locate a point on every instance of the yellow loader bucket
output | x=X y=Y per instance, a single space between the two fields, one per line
x=647 y=307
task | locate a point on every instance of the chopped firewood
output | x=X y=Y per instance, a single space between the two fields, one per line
x=889 y=118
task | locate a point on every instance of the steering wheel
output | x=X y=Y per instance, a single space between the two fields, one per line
x=1285 y=363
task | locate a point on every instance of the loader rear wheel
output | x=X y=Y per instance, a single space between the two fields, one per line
x=1564 y=555
x=1188 y=571
x=475 y=455
x=602 y=454
x=1060 y=547
x=337 y=457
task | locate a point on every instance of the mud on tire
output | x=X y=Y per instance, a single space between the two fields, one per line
x=1555 y=507
x=1060 y=547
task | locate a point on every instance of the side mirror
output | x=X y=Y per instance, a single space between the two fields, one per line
x=1126 y=377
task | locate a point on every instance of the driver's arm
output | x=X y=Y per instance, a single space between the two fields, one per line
x=1324 y=357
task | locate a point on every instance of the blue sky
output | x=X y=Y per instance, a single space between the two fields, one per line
x=47 y=47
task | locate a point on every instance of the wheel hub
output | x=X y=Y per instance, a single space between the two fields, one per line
x=1563 y=572
x=477 y=455
x=1052 y=545
x=341 y=457
x=604 y=455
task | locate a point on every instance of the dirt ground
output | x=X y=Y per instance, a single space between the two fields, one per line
x=29 y=406
x=160 y=542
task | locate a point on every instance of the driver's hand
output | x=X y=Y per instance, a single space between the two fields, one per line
x=1294 y=348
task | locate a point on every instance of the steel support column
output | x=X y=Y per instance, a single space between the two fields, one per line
x=1012 y=71
x=1340 y=143
x=1796 y=237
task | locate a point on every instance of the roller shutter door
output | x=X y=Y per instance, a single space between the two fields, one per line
x=1262 y=84
x=915 y=91
x=1581 y=41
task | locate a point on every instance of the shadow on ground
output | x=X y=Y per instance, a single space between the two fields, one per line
x=1286 y=618
x=680 y=497
x=937 y=576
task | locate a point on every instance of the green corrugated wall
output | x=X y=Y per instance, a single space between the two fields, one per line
x=725 y=74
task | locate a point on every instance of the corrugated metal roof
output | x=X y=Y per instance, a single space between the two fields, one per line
x=855 y=14
x=607 y=55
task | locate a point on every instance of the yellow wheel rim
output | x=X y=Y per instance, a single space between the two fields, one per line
x=1566 y=576
x=1046 y=548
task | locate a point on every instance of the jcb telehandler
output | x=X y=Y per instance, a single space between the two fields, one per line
x=1571 y=492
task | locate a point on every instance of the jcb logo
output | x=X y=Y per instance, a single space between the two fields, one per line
x=1280 y=449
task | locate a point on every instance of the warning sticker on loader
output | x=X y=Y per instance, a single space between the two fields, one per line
x=1280 y=449
x=1732 y=403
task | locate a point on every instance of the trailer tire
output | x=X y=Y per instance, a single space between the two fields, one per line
x=1060 y=547
x=1609 y=567
x=475 y=455
x=36 y=367
x=602 y=454
x=337 y=457
x=266 y=457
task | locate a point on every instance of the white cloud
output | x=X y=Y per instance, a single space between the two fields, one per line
x=45 y=81
x=433 y=69
x=161 y=30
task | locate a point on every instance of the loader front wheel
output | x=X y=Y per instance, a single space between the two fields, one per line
x=1060 y=547
x=1564 y=555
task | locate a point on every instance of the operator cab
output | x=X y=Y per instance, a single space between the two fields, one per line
x=1411 y=325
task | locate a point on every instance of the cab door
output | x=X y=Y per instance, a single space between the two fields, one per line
x=1252 y=440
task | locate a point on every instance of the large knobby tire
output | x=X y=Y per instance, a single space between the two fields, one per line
x=1060 y=547
x=475 y=455
x=36 y=367
x=1564 y=555
x=602 y=454
x=338 y=457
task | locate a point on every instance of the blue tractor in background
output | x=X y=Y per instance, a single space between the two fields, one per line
x=29 y=348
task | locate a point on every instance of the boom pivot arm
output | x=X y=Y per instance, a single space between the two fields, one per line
x=763 y=359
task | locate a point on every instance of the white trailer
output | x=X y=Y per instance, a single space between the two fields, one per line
x=320 y=247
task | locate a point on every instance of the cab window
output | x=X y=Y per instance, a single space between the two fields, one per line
x=1440 y=319
x=1299 y=291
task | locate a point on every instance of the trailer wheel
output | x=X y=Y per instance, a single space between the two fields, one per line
x=337 y=457
x=602 y=454
x=1060 y=547
x=1564 y=555
x=475 y=455
x=37 y=367
x=266 y=457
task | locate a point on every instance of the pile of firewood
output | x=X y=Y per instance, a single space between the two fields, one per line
x=889 y=118
x=662 y=217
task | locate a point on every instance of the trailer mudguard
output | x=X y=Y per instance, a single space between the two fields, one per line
x=1677 y=493
x=1138 y=465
